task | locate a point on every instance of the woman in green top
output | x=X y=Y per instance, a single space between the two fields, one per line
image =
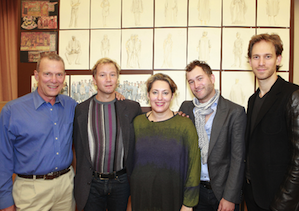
x=167 y=158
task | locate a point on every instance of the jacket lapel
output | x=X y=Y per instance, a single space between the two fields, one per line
x=122 y=116
x=217 y=123
x=271 y=97
x=83 y=122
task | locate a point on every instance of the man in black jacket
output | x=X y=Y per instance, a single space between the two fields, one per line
x=104 y=143
x=272 y=175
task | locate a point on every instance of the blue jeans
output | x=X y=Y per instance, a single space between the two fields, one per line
x=208 y=200
x=110 y=194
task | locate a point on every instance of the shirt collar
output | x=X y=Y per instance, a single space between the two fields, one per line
x=38 y=100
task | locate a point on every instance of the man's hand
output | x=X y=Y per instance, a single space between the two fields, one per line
x=181 y=113
x=225 y=205
x=119 y=96
x=184 y=208
x=11 y=208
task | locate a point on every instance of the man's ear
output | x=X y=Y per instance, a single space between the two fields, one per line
x=36 y=76
x=278 y=60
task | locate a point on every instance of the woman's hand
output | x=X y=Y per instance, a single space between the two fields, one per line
x=184 y=208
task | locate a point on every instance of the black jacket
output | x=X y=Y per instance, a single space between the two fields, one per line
x=270 y=147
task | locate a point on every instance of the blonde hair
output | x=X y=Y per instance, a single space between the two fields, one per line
x=105 y=61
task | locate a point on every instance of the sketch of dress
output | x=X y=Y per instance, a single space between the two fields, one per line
x=171 y=11
x=105 y=5
x=238 y=9
x=272 y=10
x=167 y=48
x=133 y=48
x=105 y=46
x=137 y=8
x=236 y=93
x=203 y=8
x=238 y=50
x=204 y=47
x=73 y=51
x=74 y=12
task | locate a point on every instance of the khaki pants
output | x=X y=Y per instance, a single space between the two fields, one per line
x=40 y=194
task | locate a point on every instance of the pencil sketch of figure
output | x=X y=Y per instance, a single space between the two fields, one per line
x=137 y=8
x=105 y=5
x=74 y=12
x=73 y=51
x=203 y=8
x=238 y=9
x=105 y=46
x=167 y=47
x=236 y=93
x=237 y=50
x=204 y=47
x=272 y=10
x=171 y=11
x=133 y=47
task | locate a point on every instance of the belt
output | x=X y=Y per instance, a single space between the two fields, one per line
x=49 y=176
x=206 y=184
x=113 y=175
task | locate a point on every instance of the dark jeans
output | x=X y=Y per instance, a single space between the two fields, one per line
x=110 y=194
x=249 y=199
x=208 y=201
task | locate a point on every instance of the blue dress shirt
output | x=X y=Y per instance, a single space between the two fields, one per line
x=204 y=176
x=35 y=139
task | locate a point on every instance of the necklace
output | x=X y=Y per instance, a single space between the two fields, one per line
x=158 y=121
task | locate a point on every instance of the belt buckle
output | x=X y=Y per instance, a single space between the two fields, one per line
x=49 y=176
x=103 y=178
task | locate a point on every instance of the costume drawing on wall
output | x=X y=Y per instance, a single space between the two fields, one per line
x=73 y=51
x=137 y=9
x=171 y=11
x=105 y=46
x=237 y=50
x=105 y=5
x=74 y=13
x=204 y=47
x=203 y=8
x=238 y=9
x=167 y=47
x=133 y=48
x=272 y=10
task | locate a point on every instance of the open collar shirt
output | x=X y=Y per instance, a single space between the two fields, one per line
x=35 y=139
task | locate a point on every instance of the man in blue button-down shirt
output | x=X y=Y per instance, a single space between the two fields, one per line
x=36 y=144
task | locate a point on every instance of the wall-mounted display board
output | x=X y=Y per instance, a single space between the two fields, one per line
x=39 y=14
x=149 y=36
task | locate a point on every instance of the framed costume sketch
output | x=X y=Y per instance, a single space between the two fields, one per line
x=137 y=49
x=237 y=86
x=205 y=12
x=105 y=14
x=137 y=13
x=170 y=48
x=204 y=44
x=74 y=14
x=235 y=45
x=74 y=48
x=275 y=13
x=105 y=43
